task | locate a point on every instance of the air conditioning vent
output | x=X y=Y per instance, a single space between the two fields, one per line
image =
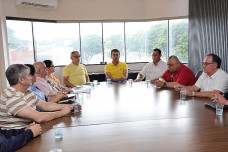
x=50 y=4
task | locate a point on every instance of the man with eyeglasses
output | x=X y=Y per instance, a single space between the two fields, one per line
x=213 y=79
x=177 y=73
x=18 y=103
x=75 y=73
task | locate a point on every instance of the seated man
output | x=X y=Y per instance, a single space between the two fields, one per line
x=116 y=70
x=37 y=91
x=213 y=79
x=18 y=104
x=153 y=70
x=41 y=82
x=12 y=140
x=75 y=73
x=177 y=73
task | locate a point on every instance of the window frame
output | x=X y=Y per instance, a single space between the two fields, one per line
x=98 y=21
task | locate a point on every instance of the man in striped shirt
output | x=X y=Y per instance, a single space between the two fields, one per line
x=18 y=104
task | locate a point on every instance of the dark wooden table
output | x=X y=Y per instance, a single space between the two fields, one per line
x=123 y=118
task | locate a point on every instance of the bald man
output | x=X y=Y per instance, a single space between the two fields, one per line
x=43 y=85
x=176 y=74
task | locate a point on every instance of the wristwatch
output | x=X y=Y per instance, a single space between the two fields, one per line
x=164 y=85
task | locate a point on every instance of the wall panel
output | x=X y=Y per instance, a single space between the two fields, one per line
x=208 y=28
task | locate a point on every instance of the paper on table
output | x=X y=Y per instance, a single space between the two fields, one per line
x=77 y=90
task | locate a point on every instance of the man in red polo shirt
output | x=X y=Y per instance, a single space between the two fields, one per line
x=176 y=74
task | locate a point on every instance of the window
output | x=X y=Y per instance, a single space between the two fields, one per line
x=113 y=39
x=143 y=37
x=95 y=40
x=178 y=39
x=20 y=42
x=91 y=40
x=56 y=41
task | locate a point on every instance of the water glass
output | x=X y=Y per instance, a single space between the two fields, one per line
x=58 y=131
x=219 y=109
x=77 y=107
x=109 y=81
x=130 y=81
x=182 y=95
x=148 y=83
x=95 y=82
x=88 y=90
x=79 y=97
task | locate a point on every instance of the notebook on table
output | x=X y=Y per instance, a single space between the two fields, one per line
x=69 y=99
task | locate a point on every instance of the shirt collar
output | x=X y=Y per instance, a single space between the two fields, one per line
x=158 y=63
x=33 y=87
x=114 y=64
x=41 y=79
x=12 y=89
x=214 y=75
x=181 y=66
x=17 y=92
x=74 y=64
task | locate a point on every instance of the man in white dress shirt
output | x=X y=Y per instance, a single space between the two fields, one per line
x=153 y=70
x=213 y=79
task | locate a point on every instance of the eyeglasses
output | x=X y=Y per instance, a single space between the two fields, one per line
x=206 y=63
x=77 y=56
x=52 y=66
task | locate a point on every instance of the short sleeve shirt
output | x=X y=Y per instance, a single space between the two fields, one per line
x=45 y=87
x=151 y=71
x=218 y=81
x=11 y=103
x=183 y=76
x=116 y=71
x=76 y=73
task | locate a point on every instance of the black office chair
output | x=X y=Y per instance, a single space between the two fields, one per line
x=226 y=95
x=198 y=74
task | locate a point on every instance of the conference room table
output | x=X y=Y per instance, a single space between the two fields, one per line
x=137 y=117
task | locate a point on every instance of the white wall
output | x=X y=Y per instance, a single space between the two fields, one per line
x=3 y=49
x=101 y=10
x=165 y=8
x=89 y=10
x=81 y=10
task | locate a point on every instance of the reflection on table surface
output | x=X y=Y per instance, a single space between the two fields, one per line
x=137 y=117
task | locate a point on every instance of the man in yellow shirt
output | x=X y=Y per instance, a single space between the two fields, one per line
x=75 y=73
x=116 y=70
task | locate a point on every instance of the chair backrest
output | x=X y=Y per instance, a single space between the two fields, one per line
x=198 y=74
x=226 y=95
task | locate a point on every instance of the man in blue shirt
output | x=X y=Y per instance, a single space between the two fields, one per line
x=11 y=140
x=33 y=87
